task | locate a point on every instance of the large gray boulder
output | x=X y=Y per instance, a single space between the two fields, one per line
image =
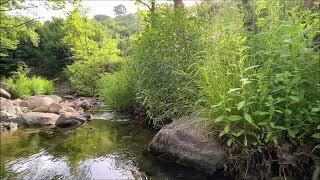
x=5 y=94
x=37 y=119
x=8 y=110
x=4 y=86
x=56 y=98
x=186 y=144
x=45 y=104
x=68 y=119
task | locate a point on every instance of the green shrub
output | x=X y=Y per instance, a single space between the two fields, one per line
x=85 y=74
x=39 y=85
x=117 y=90
x=165 y=59
x=22 y=86
x=19 y=86
x=263 y=86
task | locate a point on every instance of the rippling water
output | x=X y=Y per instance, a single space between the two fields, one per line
x=105 y=148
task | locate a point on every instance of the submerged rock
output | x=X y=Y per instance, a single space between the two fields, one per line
x=189 y=146
x=37 y=119
x=4 y=93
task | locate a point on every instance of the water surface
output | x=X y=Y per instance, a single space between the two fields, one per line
x=108 y=147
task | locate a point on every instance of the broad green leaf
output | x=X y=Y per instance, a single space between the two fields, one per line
x=241 y=104
x=222 y=133
x=234 y=118
x=248 y=117
x=233 y=90
x=315 y=110
x=226 y=128
x=294 y=98
x=263 y=123
x=239 y=133
x=317 y=136
x=269 y=134
x=272 y=124
x=220 y=119
x=261 y=113
x=291 y=133
x=230 y=141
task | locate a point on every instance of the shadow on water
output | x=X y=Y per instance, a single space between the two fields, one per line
x=105 y=148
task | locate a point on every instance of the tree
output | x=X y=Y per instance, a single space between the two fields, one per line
x=93 y=51
x=120 y=10
x=101 y=17
x=16 y=30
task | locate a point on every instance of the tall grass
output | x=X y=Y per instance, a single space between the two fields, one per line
x=165 y=57
x=262 y=86
x=257 y=85
x=117 y=89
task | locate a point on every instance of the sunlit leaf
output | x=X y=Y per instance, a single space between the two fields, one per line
x=234 y=118
x=241 y=104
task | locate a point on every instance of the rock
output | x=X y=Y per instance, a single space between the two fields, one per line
x=67 y=108
x=83 y=103
x=4 y=86
x=24 y=104
x=56 y=98
x=8 y=110
x=189 y=146
x=43 y=104
x=68 y=97
x=71 y=119
x=4 y=93
x=8 y=126
x=17 y=102
x=37 y=119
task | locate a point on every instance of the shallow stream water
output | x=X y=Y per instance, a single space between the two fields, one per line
x=108 y=147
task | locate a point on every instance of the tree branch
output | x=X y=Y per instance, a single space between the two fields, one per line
x=19 y=8
x=26 y=22
x=148 y=6
x=3 y=3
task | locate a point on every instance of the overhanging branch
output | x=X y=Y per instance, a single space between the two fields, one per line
x=26 y=22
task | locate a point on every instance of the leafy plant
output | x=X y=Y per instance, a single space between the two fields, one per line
x=165 y=56
x=117 y=89
x=22 y=86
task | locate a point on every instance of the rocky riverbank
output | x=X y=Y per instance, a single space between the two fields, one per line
x=44 y=110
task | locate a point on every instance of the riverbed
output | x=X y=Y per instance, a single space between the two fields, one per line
x=108 y=147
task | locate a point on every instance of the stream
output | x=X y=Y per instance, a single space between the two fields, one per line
x=108 y=147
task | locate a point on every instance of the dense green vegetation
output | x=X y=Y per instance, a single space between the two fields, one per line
x=258 y=84
x=22 y=86
x=249 y=69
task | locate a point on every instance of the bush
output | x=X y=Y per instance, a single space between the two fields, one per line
x=262 y=86
x=165 y=58
x=85 y=74
x=22 y=86
x=117 y=90
x=39 y=85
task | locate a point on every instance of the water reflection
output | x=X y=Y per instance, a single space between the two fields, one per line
x=98 y=150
